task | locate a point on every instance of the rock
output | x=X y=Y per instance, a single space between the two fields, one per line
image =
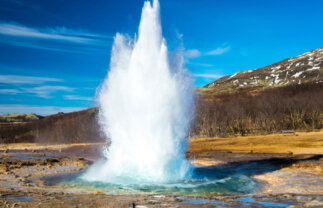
x=287 y=196
x=152 y=202
x=178 y=199
x=303 y=198
x=159 y=196
x=314 y=203
x=14 y=205
x=52 y=160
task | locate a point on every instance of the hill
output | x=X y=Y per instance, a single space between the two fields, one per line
x=75 y=127
x=305 y=68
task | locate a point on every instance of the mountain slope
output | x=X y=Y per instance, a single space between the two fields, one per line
x=75 y=127
x=307 y=67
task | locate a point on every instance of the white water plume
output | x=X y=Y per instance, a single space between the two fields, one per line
x=145 y=109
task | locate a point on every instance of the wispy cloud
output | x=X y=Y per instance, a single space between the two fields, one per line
x=40 y=110
x=59 y=33
x=10 y=91
x=15 y=84
x=219 y=51
x=192 y=53
x=16 y=79
x=200 y=64
x=75 y=97
x=47 y=90
x=45 y=38
x=215 y=76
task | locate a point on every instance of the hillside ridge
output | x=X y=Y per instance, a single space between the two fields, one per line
x=307 y=67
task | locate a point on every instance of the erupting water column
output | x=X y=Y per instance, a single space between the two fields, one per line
x=145 y=110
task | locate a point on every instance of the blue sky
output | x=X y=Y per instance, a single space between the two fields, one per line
x=54 y=54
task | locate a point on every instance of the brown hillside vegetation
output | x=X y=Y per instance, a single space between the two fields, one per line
x=76 y=127
x=293 y=107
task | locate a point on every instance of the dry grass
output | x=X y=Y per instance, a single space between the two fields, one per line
x=299 y=143
x=37 y=146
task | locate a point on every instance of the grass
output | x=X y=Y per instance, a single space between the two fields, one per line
x=299 y=143
x=14 y=115
x=37 y=146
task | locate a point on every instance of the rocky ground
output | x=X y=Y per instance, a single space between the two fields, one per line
x=26 y=180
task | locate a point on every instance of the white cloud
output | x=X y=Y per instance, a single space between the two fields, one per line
x=45 y=91
x=215 y=76
x=40 y=110
x=75 y=97
x=192 y=53
x=58 y=34
x=70 y=40
x=219 y=51
x=9 y=91
x=200 y=64
x=15 y=79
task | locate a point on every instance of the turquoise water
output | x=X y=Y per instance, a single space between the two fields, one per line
x=203 y=182
x=248 y=200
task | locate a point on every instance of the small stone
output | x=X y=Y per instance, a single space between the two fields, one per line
x=152 y=202
x=14 y=205
x=314 y=203
x=287 y=196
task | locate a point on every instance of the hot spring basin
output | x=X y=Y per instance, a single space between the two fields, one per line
x=203 y=182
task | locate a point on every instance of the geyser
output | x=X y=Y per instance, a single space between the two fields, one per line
x=145 y=110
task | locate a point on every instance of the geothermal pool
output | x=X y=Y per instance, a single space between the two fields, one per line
x=206 y=181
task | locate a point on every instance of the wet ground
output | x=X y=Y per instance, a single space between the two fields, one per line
x=32 y=178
